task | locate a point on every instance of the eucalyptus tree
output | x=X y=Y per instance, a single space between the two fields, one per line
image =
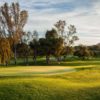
x=60 y=25
x=67 y=32
x=12 y=22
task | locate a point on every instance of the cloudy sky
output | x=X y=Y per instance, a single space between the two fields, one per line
x=84 y=14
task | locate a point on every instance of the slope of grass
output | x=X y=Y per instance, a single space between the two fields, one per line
x=82 y=84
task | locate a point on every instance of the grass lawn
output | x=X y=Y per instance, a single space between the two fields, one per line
x=70 y=62
x=72 y=80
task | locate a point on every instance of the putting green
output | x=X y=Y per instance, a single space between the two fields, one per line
x=37 y=70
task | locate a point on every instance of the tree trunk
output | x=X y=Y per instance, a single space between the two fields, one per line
x=47 y=59
x=27 y=60
x=58 y=60
x=35 y=56
x=6 y=63
x=24 y=59
x=64 y=57
x=15 y=55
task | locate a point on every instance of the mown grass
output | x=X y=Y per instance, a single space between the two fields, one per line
x=42 y=62
x=82 y=84
x=31 y=70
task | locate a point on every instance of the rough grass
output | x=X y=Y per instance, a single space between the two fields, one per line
x=82 y=84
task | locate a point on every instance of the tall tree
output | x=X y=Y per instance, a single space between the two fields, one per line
x=12 y=22
x=53 y=44
x=58 y=48
x=67 y=33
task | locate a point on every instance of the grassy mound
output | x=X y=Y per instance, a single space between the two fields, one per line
x=80 y=85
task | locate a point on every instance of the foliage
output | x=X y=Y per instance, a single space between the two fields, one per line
x=23 y=50
x=51 y=34
x=12 y=21
x=5 y=51
x=83 y=52
x=95 y=49
x=68 y=34
x=57 y=42
x=68 y=50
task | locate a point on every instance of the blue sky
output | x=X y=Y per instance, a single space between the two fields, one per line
x=84 y=14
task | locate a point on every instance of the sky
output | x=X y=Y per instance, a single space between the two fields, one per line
x=43 y=14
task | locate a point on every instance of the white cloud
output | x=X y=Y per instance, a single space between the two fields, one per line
x=96 y=7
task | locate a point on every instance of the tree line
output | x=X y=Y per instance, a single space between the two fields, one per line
x=15 y=42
